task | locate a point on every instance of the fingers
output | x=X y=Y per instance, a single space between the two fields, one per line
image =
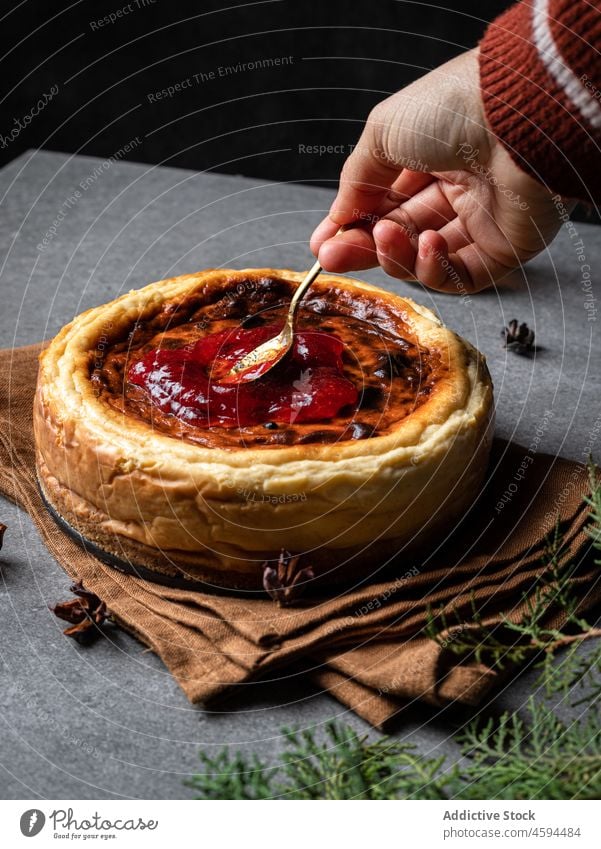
x=429 y=208
x=477 y=269
x=396 y=245
x=324 y=231
x=409 y=183
x=455 y=235
x=364 y=183
x=426 y=209
x=432 y=262
x=353 y=250
x=392 y=243
x=464 y=272
x=414 y=241
x=367 y=176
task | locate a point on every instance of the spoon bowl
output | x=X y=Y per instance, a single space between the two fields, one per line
x=262 y=359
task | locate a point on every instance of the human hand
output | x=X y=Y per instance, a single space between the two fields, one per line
x=436 y=196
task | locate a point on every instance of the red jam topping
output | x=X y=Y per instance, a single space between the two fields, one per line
x=307 y=386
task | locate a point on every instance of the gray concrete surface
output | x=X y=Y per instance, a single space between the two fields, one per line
x=109 y=722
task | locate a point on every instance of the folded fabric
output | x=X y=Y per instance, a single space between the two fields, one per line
x=365 y=645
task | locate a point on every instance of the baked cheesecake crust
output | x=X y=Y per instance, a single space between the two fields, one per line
x=215 y=513
x=380 y=353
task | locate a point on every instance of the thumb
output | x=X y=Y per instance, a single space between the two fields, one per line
x=367 y=175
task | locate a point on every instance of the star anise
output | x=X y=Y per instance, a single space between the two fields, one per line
x=285 y=581
x=518 y=337
x=86 y=612
x=2 y=530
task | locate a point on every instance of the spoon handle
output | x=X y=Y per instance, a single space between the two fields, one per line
x=300 y=291
x=302 y=288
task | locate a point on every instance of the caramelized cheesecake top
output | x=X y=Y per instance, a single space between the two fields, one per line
x=355 y=370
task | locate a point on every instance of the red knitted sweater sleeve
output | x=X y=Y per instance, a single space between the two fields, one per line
x=540 y=74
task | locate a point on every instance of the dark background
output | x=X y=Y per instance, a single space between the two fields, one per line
x=345 y=57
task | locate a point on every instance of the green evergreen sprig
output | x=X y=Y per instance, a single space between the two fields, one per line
x=510 y=757
x=532 y=756
x=512 y=642
x=538 y=757
x=344 y=765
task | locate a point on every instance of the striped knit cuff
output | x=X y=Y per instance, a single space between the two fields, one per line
x=540 y=74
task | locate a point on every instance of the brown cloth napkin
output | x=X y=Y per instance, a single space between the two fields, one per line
x=366 y=645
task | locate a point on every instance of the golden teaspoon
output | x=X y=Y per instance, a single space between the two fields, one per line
x=263 y=358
